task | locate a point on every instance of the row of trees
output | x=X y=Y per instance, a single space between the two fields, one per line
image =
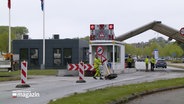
x=16 y=33
x=165 y=48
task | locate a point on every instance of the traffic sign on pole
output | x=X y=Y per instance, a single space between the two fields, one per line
x=99 y=50
x=103 y=59
x=182 y=31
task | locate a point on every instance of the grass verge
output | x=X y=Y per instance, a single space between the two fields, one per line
x=110 y=94
x=15 y=75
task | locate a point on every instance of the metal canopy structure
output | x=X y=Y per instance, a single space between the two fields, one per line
x=156 y=26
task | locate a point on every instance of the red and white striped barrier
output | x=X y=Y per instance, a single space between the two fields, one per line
x=23 y=72
x=76 y=67
x=23 y=75
x=81 y=67
x=88 y=67
x=81 y=73
x=73 y=67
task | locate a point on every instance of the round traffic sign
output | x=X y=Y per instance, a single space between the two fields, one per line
x=182 y=31
x=99 y=50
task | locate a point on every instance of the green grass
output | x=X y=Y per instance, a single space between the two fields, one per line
x=42 y=72
x=15 y=75
x=9 y=78
x=107 y=95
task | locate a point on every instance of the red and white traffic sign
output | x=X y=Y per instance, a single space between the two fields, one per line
x=88 y=67
x=73 y=66
x=182 y=31
x=103 y=59
x=76 y=67
x=101 y=35
x=101 y=31
x=99 y=50
x=23 y=72
x=81 y=73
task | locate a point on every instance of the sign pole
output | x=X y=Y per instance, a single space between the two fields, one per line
x=43 y=39
x=9 y=36
x=43 y=10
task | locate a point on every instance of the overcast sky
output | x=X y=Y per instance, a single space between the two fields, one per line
x=71 y=18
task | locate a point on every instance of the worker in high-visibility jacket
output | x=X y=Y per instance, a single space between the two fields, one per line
x=152 y=61
x=146 y=63
x=97 y=63
x=129 y=61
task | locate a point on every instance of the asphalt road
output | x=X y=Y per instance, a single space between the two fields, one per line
x=52 y=87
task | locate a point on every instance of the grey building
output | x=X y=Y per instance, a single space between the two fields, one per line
x=58 y=52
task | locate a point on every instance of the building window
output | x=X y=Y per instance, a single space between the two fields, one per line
x=34 y=57
x=57 y=56
x=67 y=54
x=24 y=54
x=117 y=56
x=86 y=55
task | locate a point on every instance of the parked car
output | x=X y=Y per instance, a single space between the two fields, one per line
x=161 y=63
x=140 y=59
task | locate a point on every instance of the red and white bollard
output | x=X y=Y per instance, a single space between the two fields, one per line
x=81 y=73
x=23 y=75
x=23 y=72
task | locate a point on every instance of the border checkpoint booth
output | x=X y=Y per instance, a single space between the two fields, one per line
x=103 y=44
